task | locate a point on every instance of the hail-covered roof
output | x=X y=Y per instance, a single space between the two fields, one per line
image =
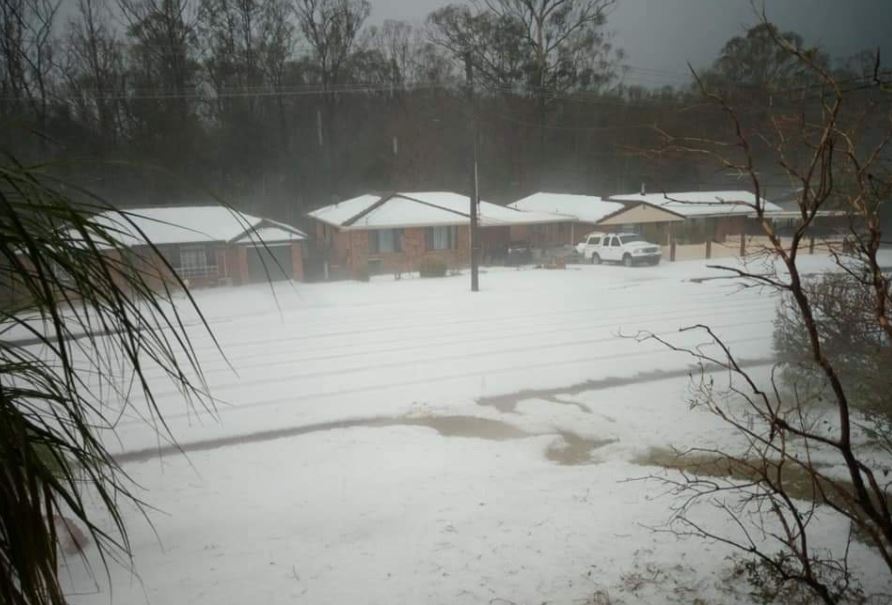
x=189 y=224
x=584 y=208
x=701 y=204
x=423 y=209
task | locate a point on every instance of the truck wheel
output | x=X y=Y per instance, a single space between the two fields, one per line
x=627 y=260
x=596 y=260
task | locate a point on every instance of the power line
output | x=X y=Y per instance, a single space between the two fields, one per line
x=578 y=96
x=521 y=122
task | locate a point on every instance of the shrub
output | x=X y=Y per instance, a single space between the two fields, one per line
x=432 y=267
x=850 y=336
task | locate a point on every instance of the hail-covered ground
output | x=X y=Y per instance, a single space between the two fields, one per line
x=407 y=441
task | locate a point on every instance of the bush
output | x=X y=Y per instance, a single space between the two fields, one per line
x=432 y=267
x=850 y=336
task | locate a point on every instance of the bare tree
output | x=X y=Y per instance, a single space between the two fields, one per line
x=163 y=66
x=94 y=70
x=777 y=488
x=26 y=57
x=331 y=28
x=394 y=43
x=567 y=43
x=229 y=33
x=493 y=42
x=543 y=48
x=277 y=41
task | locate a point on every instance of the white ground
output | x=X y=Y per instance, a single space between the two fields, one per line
x=396 y=511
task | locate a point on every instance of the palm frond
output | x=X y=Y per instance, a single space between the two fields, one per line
x=83 y=319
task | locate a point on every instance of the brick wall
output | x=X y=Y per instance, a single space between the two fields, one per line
x=237 y=264
x=349 y=252
x=297 y=259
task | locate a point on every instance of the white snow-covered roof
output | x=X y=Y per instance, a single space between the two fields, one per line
x=270 y=235
x=183 y=224
x=423 y=209
x=584 y=208
x=701 y=204
x=337 y=214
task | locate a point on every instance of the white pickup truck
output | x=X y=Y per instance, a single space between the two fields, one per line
x=625 y=248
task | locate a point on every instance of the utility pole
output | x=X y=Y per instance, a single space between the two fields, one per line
x=475 y=192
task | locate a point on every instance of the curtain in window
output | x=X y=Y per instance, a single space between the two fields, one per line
x=439 y=238
x=385 y=240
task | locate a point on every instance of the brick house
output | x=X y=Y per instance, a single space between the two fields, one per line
x=580 y=215
x=209 y=245
x=392 y=232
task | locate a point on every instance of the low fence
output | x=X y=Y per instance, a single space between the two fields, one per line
x=753 y=245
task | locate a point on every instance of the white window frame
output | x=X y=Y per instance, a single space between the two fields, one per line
x=442 y=238
x=194 y=262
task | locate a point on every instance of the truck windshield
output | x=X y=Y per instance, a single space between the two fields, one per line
x=628 y=239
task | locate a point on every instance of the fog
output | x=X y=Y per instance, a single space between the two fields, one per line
x=391 y=302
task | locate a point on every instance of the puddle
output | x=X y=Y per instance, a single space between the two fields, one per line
x=507 y=403
x=574 y=450
x=797 y=482
x=463 y=426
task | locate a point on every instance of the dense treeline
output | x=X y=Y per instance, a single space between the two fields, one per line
x=282 y=105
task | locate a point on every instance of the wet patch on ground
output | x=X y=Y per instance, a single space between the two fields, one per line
x=574 y=450
x=797 y=482
x=507 y=403
x=565 y=401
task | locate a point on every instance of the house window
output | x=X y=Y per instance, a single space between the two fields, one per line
x=439 y=238
x=385 y=240
x=171 y=254
x=197 y=261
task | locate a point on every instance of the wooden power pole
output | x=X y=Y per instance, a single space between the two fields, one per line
x=475 y=191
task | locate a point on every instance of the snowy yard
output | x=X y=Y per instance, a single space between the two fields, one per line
x=410 y=442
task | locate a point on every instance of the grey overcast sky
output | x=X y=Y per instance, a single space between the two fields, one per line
x=661 y=36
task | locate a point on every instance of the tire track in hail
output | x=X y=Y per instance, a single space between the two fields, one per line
x=265 y=381
x=325 y=394
x=347 y=351
x=403 y=326
x=232 y=351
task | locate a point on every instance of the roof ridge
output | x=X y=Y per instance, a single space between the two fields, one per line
x=434 y=205
x=374 y=205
